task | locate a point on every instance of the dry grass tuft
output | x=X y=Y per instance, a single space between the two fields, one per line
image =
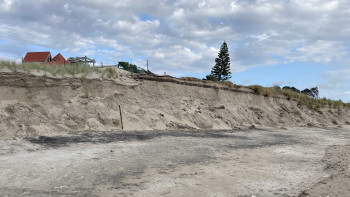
x=190 y=79
x=111 y=73
x=259 y=90
x=310 y=125
x=10 y=109
x=228 y=84
x=297 y=113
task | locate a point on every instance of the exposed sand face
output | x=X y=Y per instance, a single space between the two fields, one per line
x=35 y=105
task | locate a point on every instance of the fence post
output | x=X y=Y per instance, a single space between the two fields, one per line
x=121 y=118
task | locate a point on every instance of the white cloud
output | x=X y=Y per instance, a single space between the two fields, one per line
x=318 y=5
x=66 y=7
x=336 y=84
x=264 y=36
x=322 y=52
x=6 y=5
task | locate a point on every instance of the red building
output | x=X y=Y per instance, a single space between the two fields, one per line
x=58 y=60
x=42 y=57
x=45 y=57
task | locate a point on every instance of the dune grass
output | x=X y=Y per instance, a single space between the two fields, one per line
x=54 y=70
x=302 y=99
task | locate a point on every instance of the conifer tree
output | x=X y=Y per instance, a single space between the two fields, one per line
x=221 y=70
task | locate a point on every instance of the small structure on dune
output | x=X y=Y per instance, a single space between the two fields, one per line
x=45 y=58
x=81 y=60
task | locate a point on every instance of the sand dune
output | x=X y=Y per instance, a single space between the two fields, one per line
x=33 y=104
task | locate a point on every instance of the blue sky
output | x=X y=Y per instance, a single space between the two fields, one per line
x=276 y=42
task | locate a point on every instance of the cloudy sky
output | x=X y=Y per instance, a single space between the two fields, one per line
x=271 y=42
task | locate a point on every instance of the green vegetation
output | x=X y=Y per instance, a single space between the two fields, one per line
x=71 y=69
x=190 y=79
x=317 y=109
x=133 y=68
x=259 y=90
x=221 y=70
x=290 y=93
x=111 y=72
x=10 y=109
x=211 y=78
x=313 y=92
x=297 y=113
x=291 y=88
x=302 y=98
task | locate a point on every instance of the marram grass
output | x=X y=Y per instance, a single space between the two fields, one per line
x=302 y=99
x=54 y=70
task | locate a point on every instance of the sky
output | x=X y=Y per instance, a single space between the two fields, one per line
x=296 y=43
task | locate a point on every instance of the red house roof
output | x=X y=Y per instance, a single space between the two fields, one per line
x=58 y=60
x=59 y=57
x=37 y=57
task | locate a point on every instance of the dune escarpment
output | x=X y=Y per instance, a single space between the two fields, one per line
x=35 y=105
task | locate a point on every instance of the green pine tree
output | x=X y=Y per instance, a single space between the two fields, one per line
x=221 y=70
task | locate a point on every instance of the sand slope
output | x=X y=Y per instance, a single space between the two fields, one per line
x=34 y=105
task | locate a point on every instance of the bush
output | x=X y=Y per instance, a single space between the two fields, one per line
x=291 y=89
x=211 y=78
x=259 y=90
x=129 y=67
x=133 y=68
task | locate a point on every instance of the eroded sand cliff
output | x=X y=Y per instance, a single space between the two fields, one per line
x=34 y=104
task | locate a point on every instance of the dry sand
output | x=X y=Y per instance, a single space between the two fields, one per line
x=267 y=162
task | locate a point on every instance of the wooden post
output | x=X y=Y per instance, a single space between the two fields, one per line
x=121 y=118
x=85 y=59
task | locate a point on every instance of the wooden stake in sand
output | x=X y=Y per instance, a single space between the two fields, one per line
x=121 y=118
